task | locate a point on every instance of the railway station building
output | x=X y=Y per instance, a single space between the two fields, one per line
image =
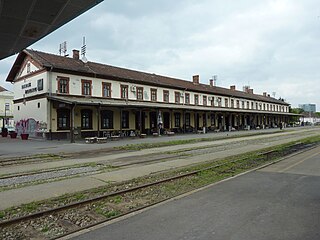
x=65 y=97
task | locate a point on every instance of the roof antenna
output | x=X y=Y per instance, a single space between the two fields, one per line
x=63 y=49
x=83 y=50
x=215 y=78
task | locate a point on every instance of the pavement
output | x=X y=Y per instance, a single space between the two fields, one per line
x=279 y=202
x=16 y=197
x=10 y=148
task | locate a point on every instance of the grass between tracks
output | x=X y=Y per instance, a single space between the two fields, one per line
x=122 y=204
x=141 y=146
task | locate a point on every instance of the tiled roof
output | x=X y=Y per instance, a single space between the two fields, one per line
x=60 y=63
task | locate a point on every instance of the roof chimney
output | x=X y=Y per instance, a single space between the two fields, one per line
x=264 y=94
x=250 y=91
x=233 y=87
x=75 y=54
x=195 y=79
x=211 y=82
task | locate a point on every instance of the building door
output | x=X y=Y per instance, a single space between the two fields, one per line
x=153 y=121
x=204 y=120
x=197 y=121
x=166 y=120
x=140 y=121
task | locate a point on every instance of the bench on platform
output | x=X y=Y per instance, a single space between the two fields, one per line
x=115 y=137
x=91 y=139
x=102 y=139
x=170 y=134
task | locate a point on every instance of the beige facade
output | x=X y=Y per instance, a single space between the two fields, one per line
x=6 y=107
x=64 y=96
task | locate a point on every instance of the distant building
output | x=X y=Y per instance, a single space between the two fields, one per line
x=6 y=107
x=309 y=118
x=308 y=107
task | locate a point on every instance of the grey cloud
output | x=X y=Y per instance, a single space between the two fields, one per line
x=272 y=45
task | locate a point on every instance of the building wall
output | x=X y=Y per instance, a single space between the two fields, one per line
x=75 y=88
x=6 y=97
x=36 y=109
x=28 y=87
x=308 y=107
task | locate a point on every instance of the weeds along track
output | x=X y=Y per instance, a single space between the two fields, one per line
x=51 y=221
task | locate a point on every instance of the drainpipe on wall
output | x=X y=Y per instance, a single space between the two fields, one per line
x=50 y=103
x=99 y=112
x=72 y=137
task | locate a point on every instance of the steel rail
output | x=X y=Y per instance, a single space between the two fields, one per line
x=295 y=147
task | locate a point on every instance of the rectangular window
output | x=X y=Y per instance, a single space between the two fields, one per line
x=177 y=117
x=256 y=106
x=165 y=96
x=238 y=104
x=139 y=93
x=153 y=94
x=204 y=99
x=219 y=102
x=124 y=91
x=187 y=98
x=232 y=103
x=63 y=119
x=212 y=101
x=242 y=104
x=107 y=119
x=63 y=85
x=86 y=119
x=86 y=87
x=248 y=105
x=226 y=102
x=187 y=119
x=264 y=107
x=213 y=122
x=28 y=68
x=106 y=90
x=252 y=105
x=177 y=97
x=196 y=99
x=125 y=119
x=40 y=84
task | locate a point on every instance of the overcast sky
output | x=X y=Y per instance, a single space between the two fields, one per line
x=271 y=45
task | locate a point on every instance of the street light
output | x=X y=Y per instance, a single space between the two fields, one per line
x=6 y=107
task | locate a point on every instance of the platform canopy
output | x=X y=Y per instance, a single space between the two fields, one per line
x=23 y=22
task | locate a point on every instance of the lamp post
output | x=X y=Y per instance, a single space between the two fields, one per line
x=6 y=107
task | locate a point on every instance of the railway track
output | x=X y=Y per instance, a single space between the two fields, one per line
x=102 y=208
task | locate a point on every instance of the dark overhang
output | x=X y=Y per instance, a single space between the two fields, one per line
x=23 y=22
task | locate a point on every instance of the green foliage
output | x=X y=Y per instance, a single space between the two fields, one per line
x=296 y=110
